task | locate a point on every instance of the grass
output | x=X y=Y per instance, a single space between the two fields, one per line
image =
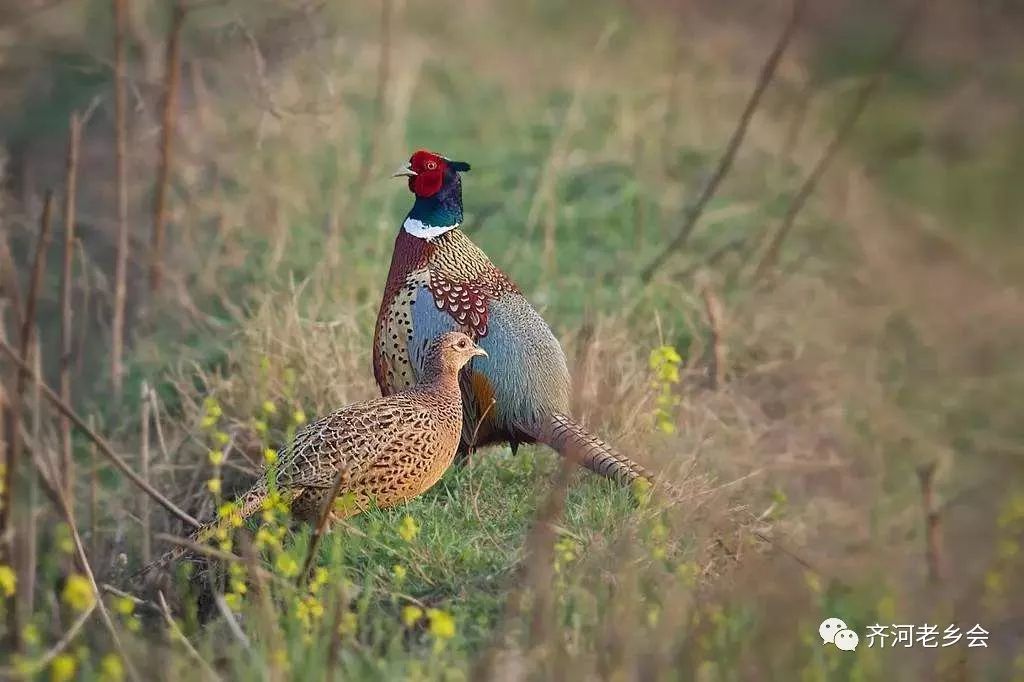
x=879 y=347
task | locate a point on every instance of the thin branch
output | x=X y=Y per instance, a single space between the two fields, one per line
x=479 y=422
x=713 y=310
x=19 y=606
x=144 y=511
x=219 y=555
x=536 y=571
x=933 y=524
x=9 y=284
x=71 y=186
x=121 y=180
x=39 y=664
x=28 y=321
x=694 y=212
x=53 y=490
x=321 y=526
x=103 y=446
x=180 y=636
x=885 y=63
x=232 y=622
x=172 y=77
x=97 y=594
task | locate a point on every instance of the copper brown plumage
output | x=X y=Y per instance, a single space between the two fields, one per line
x=388 y=450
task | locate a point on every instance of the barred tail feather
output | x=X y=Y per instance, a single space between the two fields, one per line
x=574 y=442
x=248 y=504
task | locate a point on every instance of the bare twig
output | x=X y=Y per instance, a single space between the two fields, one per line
x=321 y=526
x=232 y=622
x=885 y=63
x=219 y=555
x=71 y=185
x=933 y=524
x=28 y=321
x=147 y=545
x=103 y=446
x=12 y=428
x=180 y=636
x=172 y=76
x=713 y=310
x=479 y=422
x=94 y=485
x=9 y=284
x=155 y=403
x=38 y=665
x=694 y=211
x=536 y=572
x=83 y=560
x=120 y=9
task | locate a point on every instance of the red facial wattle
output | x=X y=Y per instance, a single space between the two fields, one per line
x=429 y=169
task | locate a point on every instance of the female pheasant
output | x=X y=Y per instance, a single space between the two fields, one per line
x=388 y=450
x=440 y=280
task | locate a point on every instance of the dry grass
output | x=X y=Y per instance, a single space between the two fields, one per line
x=882 y=345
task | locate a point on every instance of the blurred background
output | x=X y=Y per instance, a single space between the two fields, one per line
x=781 y=243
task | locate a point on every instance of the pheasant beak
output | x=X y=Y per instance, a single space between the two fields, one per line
x=479 y=351
x=404 y=171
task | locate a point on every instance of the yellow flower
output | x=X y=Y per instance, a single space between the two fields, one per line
x=216 y=457
x=411 y=615
x=319 y=579
x=641 y=489
x=269 y=456
x=264 y=363
x=62 y=536
x=111 y=669
x=264 y=538
x=299 y=417
x=349 y=624
x=399 y=571
x=124 y=605
x=269 y=407
x=408 y=529
x=315 y=607
x=344 y=503
x=63 y=668
x=287 y=566
x=233 y=600
x=221 y=438
x=442 y=625
x=30 y=633
x=78 y=592
x=239 y=587
x=8 y=580
x=214 y=485
x=260 y=426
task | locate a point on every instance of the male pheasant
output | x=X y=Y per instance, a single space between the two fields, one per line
x=439 y=280
x=388 y=450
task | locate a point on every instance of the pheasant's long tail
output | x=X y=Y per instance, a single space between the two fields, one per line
x=246 y=506
x=574 y=442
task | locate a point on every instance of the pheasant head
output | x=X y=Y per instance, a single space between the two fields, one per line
x=449 y=353
x=435 y=181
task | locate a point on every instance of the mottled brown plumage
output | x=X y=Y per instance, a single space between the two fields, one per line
x=387 y=450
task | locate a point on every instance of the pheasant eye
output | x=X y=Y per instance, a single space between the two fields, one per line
x=431 y=165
